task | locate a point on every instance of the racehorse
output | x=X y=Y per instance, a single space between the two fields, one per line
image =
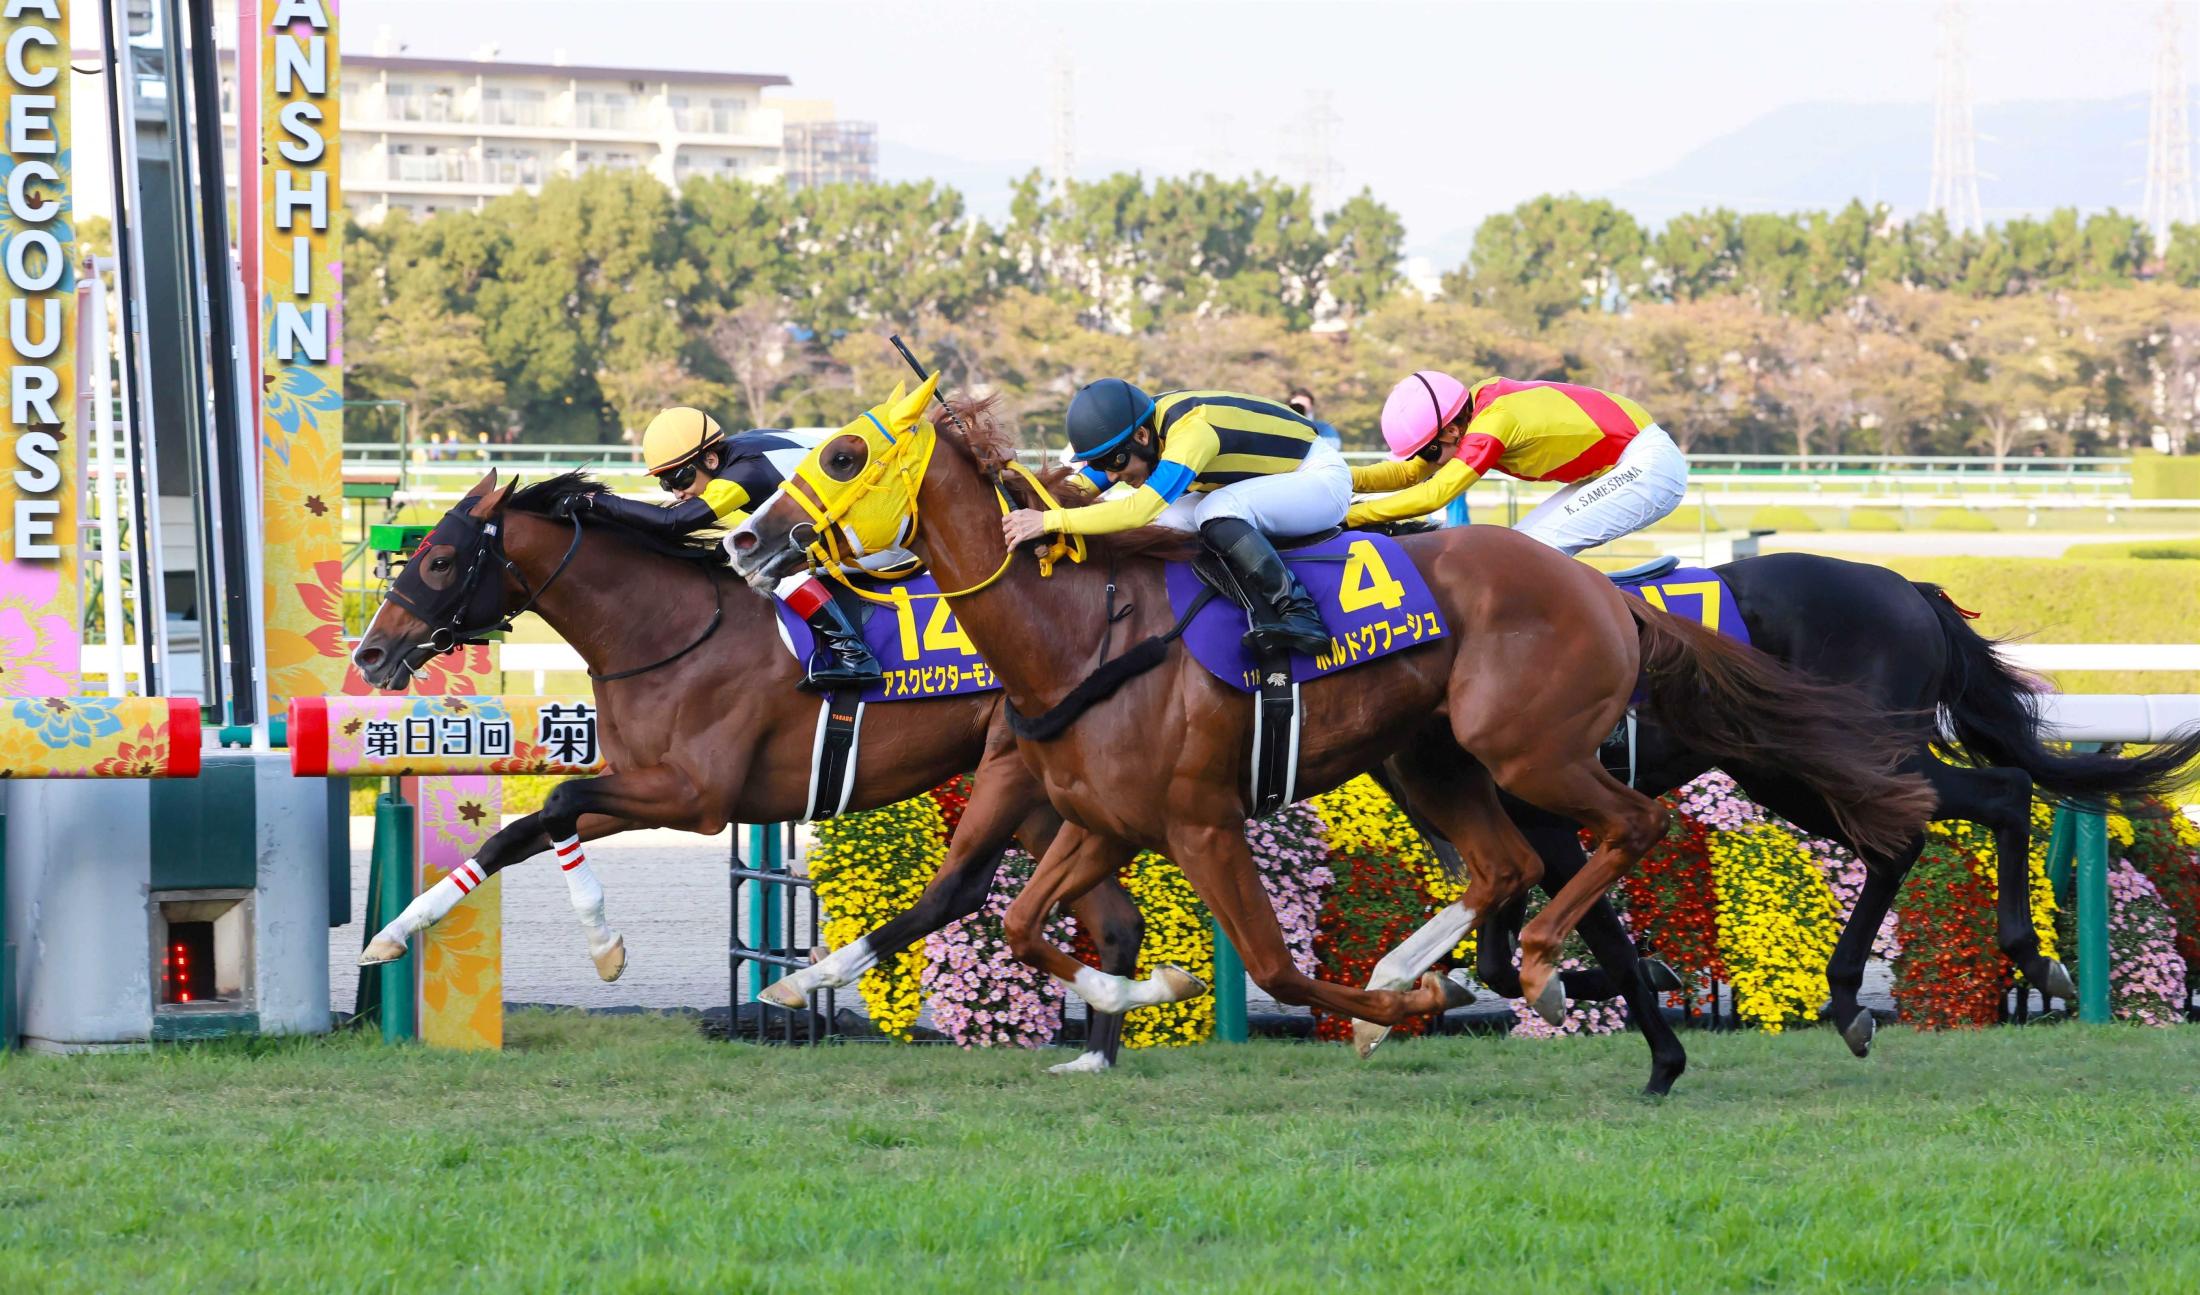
x=701 y=721
x=1911 y=649
x=1540 y=661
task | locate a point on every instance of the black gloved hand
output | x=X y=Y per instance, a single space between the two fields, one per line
x=570 y=506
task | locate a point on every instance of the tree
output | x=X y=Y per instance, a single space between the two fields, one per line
x=760 y=354
x=421 y=353
x=1552 y=256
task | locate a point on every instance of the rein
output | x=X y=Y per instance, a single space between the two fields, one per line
x=825 y=526
x=454 y=633
x=717 y=617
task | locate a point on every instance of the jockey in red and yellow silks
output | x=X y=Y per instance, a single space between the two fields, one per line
x=1620 y=470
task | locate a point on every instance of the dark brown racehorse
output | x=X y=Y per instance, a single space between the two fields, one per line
x=1541 y=659
x=718 y=733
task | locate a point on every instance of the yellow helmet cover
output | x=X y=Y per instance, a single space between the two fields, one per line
x=677 y=435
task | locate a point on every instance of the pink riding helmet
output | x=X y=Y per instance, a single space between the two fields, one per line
x=1418 y=408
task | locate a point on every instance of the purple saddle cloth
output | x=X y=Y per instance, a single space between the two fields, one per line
x=1371 y=597
x=916 y=640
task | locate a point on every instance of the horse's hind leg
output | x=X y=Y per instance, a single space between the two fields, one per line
x=1449 y=798
x=1111 y=918
x=1078 y=861
x=1622 y=823
x=2000 y=800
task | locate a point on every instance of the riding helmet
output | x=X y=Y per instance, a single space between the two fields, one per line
x=1103 y=415
x=677 y=435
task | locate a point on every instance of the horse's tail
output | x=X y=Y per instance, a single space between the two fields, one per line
x=1731 y=702
x=1993 y=712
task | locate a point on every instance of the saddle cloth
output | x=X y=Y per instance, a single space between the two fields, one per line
x=1371 y=597
x=923 y=651
x=1694 y=592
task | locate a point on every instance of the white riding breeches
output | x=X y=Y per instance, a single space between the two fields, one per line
x=1312 y=498
x=1646 y=483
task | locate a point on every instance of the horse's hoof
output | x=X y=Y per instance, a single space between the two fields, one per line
x=1368 y=1036
x=2057 y=982
x=1550 y=1002
x=381 y=950
x=1461 y=984
x=611 y=959
x=1858 y=1033
x=780 y=993
x=1085 y=1063
x=1660 y=976
x=1179 y=984
x=1449 y=993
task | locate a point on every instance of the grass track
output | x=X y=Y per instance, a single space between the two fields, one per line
x=626 y=1154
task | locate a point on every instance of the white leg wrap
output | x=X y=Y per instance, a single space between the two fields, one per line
x=838 y=968
x=1402 y=966
x=1106 y=993
x=1102 y=991
x=431 y=906
x=1086 y=1063
x=586 y=893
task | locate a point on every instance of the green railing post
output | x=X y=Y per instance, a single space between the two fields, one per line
x=2092 y=851
x=764 y=924
x=2062 y=846
x=1229 y=989
x=394 y=875
x=7 y=951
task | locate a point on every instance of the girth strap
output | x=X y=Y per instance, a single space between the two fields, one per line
x=833 y=756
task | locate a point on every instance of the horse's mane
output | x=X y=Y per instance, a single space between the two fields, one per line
x=541 y=498
x=990 y=444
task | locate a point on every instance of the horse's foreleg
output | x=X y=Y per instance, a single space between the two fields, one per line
x=1215 y=860
x=660 y=795
x=1111 y=917
x=1845 y=969
x=1078 y=861
x=521 y=839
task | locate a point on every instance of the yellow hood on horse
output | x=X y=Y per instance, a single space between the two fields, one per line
x=871 y=505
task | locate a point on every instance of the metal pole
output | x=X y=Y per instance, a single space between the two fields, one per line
x=393 y=883
x=764 y=923
x=1230 y=1024
x=7 y=947
x=232 y=480
x=138 y=434
x=2092 y=918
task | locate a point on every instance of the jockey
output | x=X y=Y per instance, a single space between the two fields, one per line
x=1234 y=468
x=1620 y=470
x=716 y=480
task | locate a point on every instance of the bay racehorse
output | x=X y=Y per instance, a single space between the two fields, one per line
x=702 y=724
x=1539 y=664
x=1912 y=650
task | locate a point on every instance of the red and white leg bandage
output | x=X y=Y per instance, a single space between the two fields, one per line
x=585 y=891
x=435 y=902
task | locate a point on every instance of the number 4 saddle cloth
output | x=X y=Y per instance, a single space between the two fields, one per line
x=1371 y=596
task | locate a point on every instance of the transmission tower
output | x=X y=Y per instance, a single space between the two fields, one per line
x=1955 y=142
x=1065 y=124
x=2169 y=134
x=1317 y=156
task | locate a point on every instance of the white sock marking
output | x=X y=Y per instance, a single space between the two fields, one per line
x=1402 y=966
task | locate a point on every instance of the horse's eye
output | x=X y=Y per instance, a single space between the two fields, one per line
x=439 y=564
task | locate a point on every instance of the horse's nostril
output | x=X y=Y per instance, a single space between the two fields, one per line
x=744 y=541
x=368 y=657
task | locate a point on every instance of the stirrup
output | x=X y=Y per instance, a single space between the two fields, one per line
x=828 y=670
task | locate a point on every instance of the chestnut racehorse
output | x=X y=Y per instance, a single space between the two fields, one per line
x=718 y=733
x=1539 y=664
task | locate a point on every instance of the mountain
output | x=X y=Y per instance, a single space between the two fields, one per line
x=2033 y=156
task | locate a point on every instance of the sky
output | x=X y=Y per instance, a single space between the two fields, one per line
x=1447 y=111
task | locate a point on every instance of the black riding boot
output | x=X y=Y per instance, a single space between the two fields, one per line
x=1283 y=615
x=842 y=659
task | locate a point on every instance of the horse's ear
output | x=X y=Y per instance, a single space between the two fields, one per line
x=487 y=483
x=910 y=408
x=491 y=502
x=901 y=389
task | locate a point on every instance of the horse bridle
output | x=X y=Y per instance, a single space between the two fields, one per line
x=448 y=610
x=454 y=614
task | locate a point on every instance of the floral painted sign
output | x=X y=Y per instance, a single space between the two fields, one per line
x=298 y=248
x=99 y=737
x=400 y=734
x=39 y=639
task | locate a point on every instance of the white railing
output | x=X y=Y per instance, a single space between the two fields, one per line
x=2120 y=717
